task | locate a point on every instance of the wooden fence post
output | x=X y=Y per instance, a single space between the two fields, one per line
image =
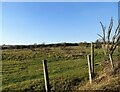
x=89 y=68
x=92 y=58
x=46 y=78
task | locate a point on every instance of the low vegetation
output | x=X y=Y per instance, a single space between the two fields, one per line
x=67 y=66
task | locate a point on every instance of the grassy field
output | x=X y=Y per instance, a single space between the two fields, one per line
x=68 y=70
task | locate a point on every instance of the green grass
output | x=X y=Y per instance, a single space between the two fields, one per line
x=23 y=70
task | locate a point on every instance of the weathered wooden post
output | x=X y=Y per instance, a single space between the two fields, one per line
x=111 y=61
x=92 y=58
x=46 y=78
x=89 y=68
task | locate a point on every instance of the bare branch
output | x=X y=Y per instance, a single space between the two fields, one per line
x=103 y=29
x=100 y=36
x=113 y=47
x=118 y=39
x=109 y=29
x=117 y=32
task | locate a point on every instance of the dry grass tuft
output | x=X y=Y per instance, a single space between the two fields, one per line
x=105 y=80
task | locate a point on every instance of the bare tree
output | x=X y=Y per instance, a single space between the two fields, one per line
x=110 y=42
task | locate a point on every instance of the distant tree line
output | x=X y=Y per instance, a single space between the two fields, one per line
x=42 y=45
x=98 y=44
